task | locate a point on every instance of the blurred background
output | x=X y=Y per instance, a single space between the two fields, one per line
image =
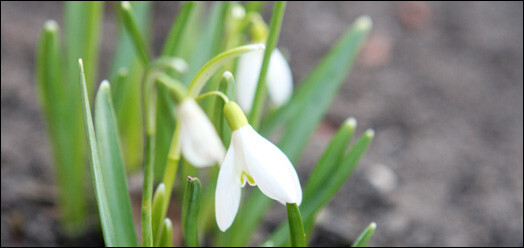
x=440 y=83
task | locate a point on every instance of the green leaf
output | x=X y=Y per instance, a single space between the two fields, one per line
x=63 y=130
x=271 y=43
x=296 y=229
x=311 y=206
x=108 y=227
x=131 y=24
x=167 y=234
x=127 y=105
x=112 y=169
x=179 y=26
x=311 y=101
x=191 y=207
x=83 y=21
x=331 y=158
x=365 y=236
x=156 y=213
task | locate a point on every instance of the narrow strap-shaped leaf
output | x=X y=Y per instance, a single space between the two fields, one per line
x=180 y=24
x=113 y=171
x=132 y=27
x=108 y=227
x=256 y=6
x=310 y=207
x=296 y=229
x=365 y=236
x=83 y=21
x=167 y=234
x=331 y=157
x=54 y=96
x=156 y=212
x=311 y=101
x=272 y=40
x=191 y=207
x=127 y=106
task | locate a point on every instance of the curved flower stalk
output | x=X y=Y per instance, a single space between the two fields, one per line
x=199 y=140
x=279 y=78
x=253 y=159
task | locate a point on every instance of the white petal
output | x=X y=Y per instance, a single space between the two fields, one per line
x=248 y=70
x=270 y=168
x=279 y=79
x=227 y=195
x=201 y=145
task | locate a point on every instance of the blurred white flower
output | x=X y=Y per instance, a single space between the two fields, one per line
x=253 y=159
x=279 y=80
x=200 y=143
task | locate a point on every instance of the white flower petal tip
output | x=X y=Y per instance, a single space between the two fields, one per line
x=200 y=143
x=279 y=78
x=253 y=159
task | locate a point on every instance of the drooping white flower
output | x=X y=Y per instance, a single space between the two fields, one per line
x=199 y=140
x=253 y=159
x=279 y=78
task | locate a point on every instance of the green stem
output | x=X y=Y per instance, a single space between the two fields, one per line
x=132 y=27
x=147 y=231
x=296 y=229
x=274 y=32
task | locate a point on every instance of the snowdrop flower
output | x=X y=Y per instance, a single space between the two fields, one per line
x=253 y=159
x=200 y=143
x=279 y=79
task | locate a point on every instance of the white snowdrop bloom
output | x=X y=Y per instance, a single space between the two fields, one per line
x=279 y=80
x=253 y=159
x=199 y=140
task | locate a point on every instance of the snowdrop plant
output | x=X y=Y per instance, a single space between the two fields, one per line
x=173 y=116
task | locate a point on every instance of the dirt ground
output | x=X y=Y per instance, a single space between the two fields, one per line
x=440 y=83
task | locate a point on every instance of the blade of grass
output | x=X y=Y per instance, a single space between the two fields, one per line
x=108 y=229
x=272 y=41
x=331 y=157
x=191 y=207
x=365 y=236
x=296 y=229
x=112 y=169
x=67 y=151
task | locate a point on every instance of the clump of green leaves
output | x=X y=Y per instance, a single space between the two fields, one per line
x=198 y=61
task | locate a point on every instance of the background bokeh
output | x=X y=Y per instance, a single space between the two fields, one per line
x=441 y=83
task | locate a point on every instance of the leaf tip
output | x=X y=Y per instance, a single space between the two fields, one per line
x=370 y=133
x=51 y=25
x=350 y=122
x=161 y=188
x=227 y=75
x=364 y=22
x=125 y=5
x=191 y=179
x=104 y=84
x=373 y=225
